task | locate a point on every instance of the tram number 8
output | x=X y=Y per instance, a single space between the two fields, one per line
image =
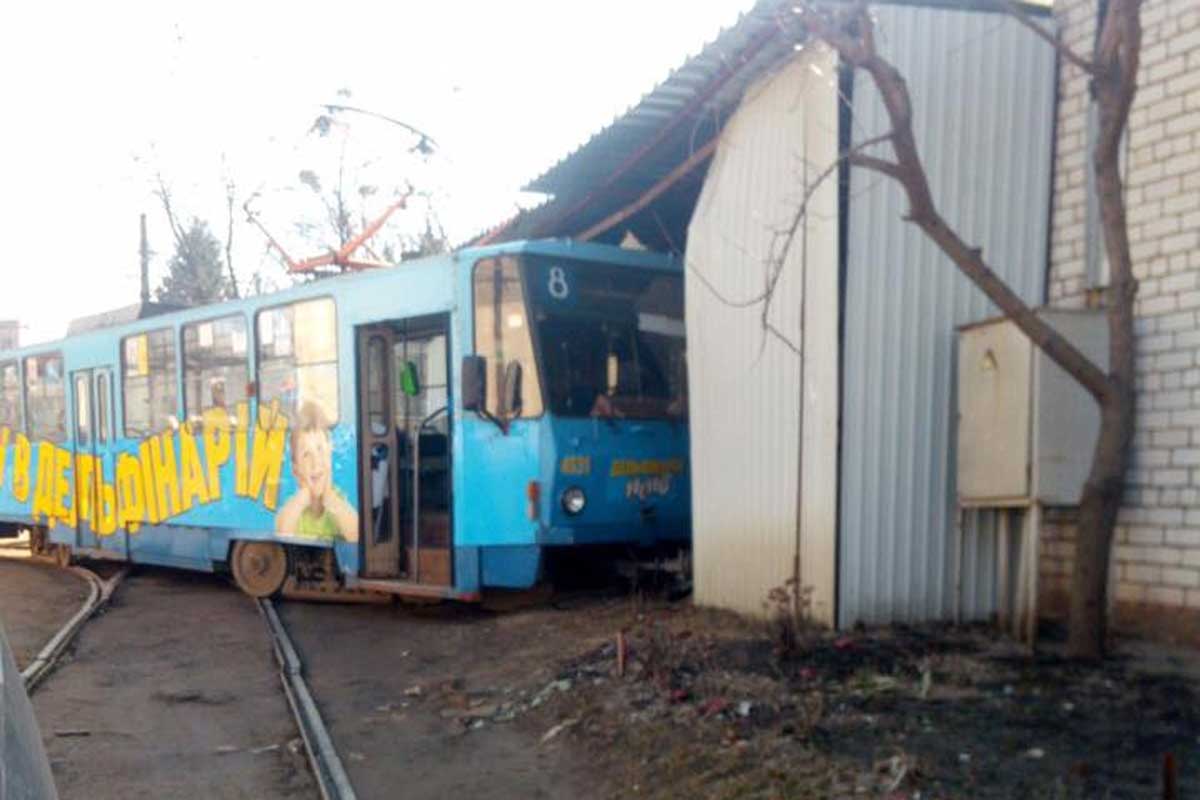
x=557 y=285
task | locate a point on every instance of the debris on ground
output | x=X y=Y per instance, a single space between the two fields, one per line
x=559 y=728
x=688 y=702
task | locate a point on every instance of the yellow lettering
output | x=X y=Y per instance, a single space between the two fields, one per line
x=62 y=486
x=268 y=459
x=622 y=468
x=577 y=465
x=43 y=494
x=131 y=492
x=22 y=454
x=166 y=475
x=241 y=472
x=107 y=523
x=216 y=449
x=191 y=471
x=151 y=511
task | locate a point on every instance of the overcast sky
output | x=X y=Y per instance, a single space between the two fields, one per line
x=99 y=98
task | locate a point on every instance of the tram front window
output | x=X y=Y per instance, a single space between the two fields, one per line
x=610 y=338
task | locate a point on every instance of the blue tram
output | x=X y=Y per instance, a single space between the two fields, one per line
x=429 y=429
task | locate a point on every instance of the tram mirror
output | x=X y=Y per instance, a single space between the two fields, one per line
x=410 y=381
x=474 y=383
x=512 y=391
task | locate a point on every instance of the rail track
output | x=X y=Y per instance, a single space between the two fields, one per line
x=100 y=590
x=322 y=756
x=332 y=780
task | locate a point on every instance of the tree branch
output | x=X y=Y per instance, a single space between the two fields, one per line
x=851 y=33
x=1015 y=10
x=164 y=196
x=782 y=244
x=882 y=165
x=230 y=191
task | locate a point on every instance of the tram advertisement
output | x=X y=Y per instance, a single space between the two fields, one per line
x=183 y=470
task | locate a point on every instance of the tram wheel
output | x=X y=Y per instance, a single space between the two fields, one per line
x=259 y=568
x=62 y=555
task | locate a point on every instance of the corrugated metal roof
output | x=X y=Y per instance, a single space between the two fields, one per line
x=737 y=54
x=623 y=160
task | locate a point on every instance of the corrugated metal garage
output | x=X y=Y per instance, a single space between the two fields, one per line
x=845 y=412
x=762 y=376
x=983 y=90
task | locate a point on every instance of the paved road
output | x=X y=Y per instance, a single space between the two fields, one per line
x=360 y=660
x=35 y=601
x=176 y=688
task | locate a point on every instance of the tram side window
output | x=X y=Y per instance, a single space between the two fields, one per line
x=297 y=358
x=10 y=396
x=149 y=383
x=502 y=332
x=46 y=398
x=216 y=368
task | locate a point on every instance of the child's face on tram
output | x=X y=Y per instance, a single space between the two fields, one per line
x=312 y=462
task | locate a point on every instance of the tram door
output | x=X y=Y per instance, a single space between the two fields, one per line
x=380 y=488
x=92 y=394
x=404 y=429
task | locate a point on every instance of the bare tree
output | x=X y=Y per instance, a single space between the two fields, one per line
x=230 y=199
x=179 y=233
x=1113 y=70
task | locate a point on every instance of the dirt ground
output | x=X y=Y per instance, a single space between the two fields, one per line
x=529 y=704
x=421 y=701
x=35 y=601
x=711 y=706
x=177 y=692
x=171 y=692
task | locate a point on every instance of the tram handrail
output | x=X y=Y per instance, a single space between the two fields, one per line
x=416 y=489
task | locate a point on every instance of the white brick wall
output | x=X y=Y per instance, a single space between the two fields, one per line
x=1157 y=550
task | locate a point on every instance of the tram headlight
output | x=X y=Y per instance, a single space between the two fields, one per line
x=573 y=500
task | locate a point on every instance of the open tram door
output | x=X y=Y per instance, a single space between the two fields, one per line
x=92 y=394
x=404 y=450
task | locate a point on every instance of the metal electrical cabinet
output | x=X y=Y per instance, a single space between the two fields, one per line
x=1026 y=434
x=1026 y=429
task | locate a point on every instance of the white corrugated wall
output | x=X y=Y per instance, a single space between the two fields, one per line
x=745 y=403
x=983 y=102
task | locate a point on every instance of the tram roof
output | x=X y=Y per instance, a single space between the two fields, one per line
x=123 y=325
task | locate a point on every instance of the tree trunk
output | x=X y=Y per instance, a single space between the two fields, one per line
x=1114 y=85
x=1097 y=520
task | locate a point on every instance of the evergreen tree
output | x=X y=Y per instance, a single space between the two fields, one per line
x=196 y=274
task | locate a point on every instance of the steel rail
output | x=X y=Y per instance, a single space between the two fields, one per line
x=100 y=591
x=322 y=756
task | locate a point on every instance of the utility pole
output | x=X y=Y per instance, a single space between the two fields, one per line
x=144 y=251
